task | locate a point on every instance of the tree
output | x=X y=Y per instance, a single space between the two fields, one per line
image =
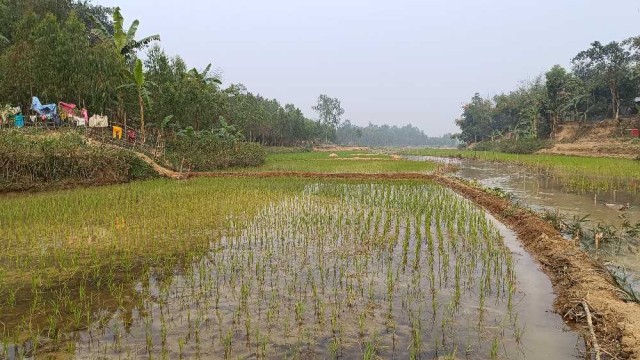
x=608 y=64
x=476 y=119
x=556 y=83
x=141 y=85
x=124 y=41
x=330 y=112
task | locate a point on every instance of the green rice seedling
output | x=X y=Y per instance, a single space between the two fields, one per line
x=334 y=249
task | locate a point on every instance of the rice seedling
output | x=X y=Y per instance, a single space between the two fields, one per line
x=271 y=268
x=576 y=173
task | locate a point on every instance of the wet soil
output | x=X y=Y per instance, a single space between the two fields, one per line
x=575 y=276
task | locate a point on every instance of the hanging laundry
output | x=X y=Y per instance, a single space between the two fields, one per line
x=98 y=121
x=80 y=121
x=66 y=108
x=85 y=115
x=117 y=131
x=45 y=111
x=131 y=135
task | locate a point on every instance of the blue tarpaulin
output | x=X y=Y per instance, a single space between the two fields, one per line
x=48 y=110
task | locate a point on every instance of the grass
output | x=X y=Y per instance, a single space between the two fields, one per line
x=576 y=172
x=234 y=267
x=346 y=162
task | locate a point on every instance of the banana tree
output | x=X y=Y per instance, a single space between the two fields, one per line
x=124 y=41
x=143 y=92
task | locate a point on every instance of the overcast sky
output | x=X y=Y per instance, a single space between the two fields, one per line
x=394 y=61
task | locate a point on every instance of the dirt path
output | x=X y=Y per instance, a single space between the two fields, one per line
x=575 y=276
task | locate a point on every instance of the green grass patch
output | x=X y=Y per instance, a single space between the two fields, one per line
x=345 y=162
x=576 y=172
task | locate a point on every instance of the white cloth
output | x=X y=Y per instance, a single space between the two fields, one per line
x=79 y=121
x=98 y=121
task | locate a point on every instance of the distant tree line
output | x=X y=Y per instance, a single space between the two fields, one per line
x=603 y=82
x=385 y=135
x=78 y=52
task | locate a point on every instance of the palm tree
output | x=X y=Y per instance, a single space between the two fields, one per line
x=124 y=42
x=142 y=87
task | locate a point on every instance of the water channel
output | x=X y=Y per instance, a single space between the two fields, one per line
x=544 y=193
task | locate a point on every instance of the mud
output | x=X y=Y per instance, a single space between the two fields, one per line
x=574 y=275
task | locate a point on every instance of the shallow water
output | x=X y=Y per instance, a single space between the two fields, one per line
x=349 y=270
x=542 y=192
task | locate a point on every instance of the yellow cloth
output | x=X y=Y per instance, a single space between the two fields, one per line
x=117 y=131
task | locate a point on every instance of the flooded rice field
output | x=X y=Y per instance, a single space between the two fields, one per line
x=593 y=212
x=349 y=271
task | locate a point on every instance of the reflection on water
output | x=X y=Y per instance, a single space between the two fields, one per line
x=350 y=271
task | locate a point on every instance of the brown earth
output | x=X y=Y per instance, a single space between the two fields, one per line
x=601 y=139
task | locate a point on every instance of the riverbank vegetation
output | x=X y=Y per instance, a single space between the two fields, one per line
x=577 y=173
x=602 y=84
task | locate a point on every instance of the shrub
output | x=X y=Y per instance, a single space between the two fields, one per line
x=42 y=159
x=522 y=146
x=205 y=152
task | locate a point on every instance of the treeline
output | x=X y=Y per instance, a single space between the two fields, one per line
x=385 y=135
x=74 y=51
x=603 y=82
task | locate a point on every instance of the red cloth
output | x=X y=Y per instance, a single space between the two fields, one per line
x=67 y=108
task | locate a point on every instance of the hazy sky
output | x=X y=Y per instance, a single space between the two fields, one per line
x=394 y=62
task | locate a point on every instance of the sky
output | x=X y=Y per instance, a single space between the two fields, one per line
x=395 y=62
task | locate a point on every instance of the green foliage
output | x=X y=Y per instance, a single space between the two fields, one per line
x=385 y=135
x=511 y=146
x=330 y=112
x=605 y=64
x=603 y=83
x=575 y=172
x=346 y=162
x=206 y=151
x=39 y=159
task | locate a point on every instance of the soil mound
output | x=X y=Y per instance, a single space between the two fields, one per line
x=602 y=139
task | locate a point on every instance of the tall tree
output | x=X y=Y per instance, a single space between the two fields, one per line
x=330 y=112
x=608 y=64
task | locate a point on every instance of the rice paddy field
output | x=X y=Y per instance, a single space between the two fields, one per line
x=267 y=268
x=576 y=172
x=340 y=162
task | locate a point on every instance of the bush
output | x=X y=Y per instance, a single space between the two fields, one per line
x=287 y=149
x=523 y=146
x=205 y=152
x=43 y=159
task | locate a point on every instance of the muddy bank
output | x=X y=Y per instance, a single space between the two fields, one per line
x=601 y=139
x=575 y=276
